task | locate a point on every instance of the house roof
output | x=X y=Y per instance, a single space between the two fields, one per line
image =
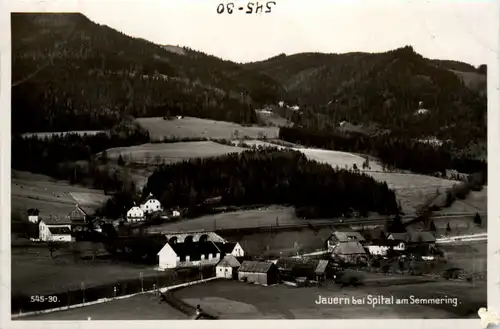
x=56 y=221
x=59 y=230
x=321 y=268
x=290 y=263
x=346 y=236
x=226 y=248
x=229 y=261
x=194 y=249
x=349 y=248
x=33 y=212
x=81 y=209
x=255 y=267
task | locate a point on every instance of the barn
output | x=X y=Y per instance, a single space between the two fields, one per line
x=227 y=267
x=264 y=273
x=52 y=231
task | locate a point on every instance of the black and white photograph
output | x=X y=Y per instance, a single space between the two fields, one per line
x=216 y=160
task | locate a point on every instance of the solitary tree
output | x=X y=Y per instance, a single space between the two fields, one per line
x=477 y=220
x=432 y=226
x=52 y=247
x=121 y=162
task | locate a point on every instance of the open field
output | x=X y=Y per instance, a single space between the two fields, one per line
x=236 y=300
x=470 y=256
x=265 y=216
x=171 y=152
x=51 y=197
x=34 y=273
x=140 y=307
x=472 y=80
x=50 y=134
x=195 y=127
x=270 y=118
x=476 y=201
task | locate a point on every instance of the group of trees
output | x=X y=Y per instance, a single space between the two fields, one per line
x=393 y=150
x=270 y=176
x=72 y=156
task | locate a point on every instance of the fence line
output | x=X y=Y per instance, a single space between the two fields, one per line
x=104 y=300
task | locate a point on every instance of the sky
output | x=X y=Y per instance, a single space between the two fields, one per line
x=464 y=31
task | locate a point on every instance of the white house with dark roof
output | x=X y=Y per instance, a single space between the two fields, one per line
x=188 y=254
x=151 y=205
x=135 y=214
x=231 y=248
x=33 y=215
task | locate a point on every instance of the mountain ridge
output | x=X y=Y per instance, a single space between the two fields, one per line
x=72 y=73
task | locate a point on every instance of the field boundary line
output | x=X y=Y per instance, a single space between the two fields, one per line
x=104 y=300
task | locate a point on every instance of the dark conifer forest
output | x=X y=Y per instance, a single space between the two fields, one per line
x=271 y=176
x=393 y=150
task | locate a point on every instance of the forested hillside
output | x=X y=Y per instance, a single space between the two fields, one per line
x=271 y=176
x=385 y=89
x=69 y=73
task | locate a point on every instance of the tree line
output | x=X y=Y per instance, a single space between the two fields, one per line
x=72 y=156
x=270 y=176
x=393 y=150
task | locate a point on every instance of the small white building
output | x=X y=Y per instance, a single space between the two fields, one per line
x=227 y=267
x=135 y=214
x=231 y=248
x=33 y=215
x=176 y=213
x=55 y=232
x=188 y=254
x=151 y=205
x=381 y=248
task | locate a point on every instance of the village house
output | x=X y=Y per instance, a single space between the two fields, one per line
x=350 y=252
x=231 y=248
x=320 y=270
x=135 y=214
x=79 y=218
x=188 y=255
x=338 y=237
x=380 y=247
x=151 y=205
x=263 y=273
x=227 y=268
x=56 y=231
x=33 y=215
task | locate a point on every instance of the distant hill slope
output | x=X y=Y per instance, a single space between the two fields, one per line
x=383 y=88
x=69 y=73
